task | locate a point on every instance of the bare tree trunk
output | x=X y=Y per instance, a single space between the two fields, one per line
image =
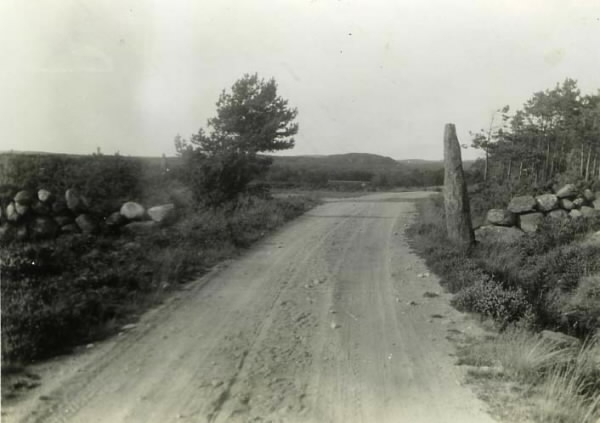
x=587 y=165
x=581 y=162
x=520 y=169
x=485 y=169
x=508 y=174
x=456 y=198
x=547 y=164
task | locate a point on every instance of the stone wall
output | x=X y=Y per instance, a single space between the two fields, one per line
x=28 y=215
x=525 y=213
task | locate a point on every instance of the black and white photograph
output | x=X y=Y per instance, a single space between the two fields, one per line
x=300 y=211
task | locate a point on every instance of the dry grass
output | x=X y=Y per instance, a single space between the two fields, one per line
x=558 y=384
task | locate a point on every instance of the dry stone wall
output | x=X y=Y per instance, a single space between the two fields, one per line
x=525 y=213
x=27 y=215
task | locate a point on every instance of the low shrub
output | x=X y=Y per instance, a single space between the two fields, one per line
x=71 y=290
x=488 y=298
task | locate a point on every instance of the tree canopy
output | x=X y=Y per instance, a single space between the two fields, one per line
x=556 y=134
x=251 y=119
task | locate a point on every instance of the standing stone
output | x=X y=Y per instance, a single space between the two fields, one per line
x=501 y=217
x=456 y=199
x=546 y=202
x=530 y=222
x=133 y=211
x=566 y=204
x=568 y=191
x=522 y=204
x=45 y=196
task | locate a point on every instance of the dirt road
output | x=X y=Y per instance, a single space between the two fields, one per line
x=324 y=321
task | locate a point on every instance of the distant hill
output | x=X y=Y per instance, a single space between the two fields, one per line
x=378 y=171
x=349 y=161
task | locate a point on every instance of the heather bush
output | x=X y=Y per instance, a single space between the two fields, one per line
x=535 y=276
x=488 y=298
x=68 y=291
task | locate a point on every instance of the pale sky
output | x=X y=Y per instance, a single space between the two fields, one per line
x=376 y=76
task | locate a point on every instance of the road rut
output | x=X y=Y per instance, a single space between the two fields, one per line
x=323 y=321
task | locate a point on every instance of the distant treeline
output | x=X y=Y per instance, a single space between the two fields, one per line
x=373 y=170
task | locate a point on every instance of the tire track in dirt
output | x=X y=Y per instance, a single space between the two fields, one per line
x=311 y=325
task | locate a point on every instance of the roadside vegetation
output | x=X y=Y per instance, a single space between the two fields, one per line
x=77 y=288
x=547 y=280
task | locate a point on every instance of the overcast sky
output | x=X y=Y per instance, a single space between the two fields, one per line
x=377 y=76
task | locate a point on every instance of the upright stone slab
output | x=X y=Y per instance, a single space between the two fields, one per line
x=456 y=199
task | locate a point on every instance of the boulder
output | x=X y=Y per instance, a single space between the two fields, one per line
x=86 y=223
x=498 y=234
x=567 y=191
x=45 y=196
x=164 y=213
x=530 y=222
x=60 y=207
x=11 y=213
x=43 y=227
x=133 y=211
x=589 y=195
x=589 y=211
x=596 y=203
x=558 y=214
x=546 y=202
x=74 y=201
x=41 y=209
x=578 y=202
x=522 y=204
x=566 y=204
x=138 y=228
x=559 y=339
x=7 y=233
x=70 y=228
x=574 y=214
x=115 y=219
x=24 y=198
x=501 y=217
